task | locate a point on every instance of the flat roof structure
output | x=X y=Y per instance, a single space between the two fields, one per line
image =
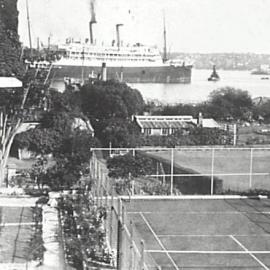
x=10 y=82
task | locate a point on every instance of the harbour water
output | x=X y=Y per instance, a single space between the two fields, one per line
x=199 y=88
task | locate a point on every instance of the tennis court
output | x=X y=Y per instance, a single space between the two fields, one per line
x=200 y=232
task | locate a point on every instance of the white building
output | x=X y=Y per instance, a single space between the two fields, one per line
x=167 y=124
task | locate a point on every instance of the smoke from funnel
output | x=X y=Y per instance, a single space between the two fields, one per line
x=92 y=10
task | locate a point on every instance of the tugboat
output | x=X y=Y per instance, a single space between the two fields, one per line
x=214 y=77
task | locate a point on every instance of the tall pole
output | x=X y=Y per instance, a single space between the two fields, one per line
x=29 y=30
x=165 y=39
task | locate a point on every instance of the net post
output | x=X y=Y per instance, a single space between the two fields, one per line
x=172 y=162
x=142 y=255
x=251 y=168
x=212 y=171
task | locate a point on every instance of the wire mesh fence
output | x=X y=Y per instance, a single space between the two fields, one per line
x=198 y=170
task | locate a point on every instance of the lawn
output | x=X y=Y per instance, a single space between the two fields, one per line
x=226 y=161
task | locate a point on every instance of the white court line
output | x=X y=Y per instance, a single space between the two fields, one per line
x=16 y=224
x=210 y=235
x=202 y=212
x=208 y=251
x=249 y=252
x=160 y=243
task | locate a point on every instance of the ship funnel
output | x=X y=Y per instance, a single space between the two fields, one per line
x=91 y=31
x=103 y=72
x=118 y=35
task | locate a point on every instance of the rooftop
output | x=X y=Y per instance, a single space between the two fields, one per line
x=10 y=82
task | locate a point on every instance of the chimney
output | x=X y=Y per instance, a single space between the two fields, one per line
x=118 y=35
x=91 y=32
x=104 y=72
x=200 y=120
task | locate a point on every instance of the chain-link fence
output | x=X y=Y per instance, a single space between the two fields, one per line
x=199 y=170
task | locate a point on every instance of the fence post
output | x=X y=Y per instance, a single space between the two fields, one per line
x=234 y=134
x=172 y=163
x=142 y=256
x=120 y=237
x=131 y=259
x=106 y=191
x=251 y=168
x=212 y=171
x=97 y=181
x=111 y=220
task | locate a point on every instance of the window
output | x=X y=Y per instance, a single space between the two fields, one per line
x=147 y=131
x=165 y=131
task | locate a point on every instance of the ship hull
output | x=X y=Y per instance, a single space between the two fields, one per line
x=155 y=74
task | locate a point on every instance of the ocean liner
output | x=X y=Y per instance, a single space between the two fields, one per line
x=131 y=64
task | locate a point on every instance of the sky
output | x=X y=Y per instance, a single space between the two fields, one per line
x=205 y=26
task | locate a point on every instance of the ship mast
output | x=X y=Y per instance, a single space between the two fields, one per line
x=29 y=30
x=165 y=39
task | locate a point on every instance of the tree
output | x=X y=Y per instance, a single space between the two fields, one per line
x=118 y=132
x=130 y=166
x=10 y=46
x=230 y=104
x=14 y=116
x=263 y=111
x=71 y=160
x=103 y=100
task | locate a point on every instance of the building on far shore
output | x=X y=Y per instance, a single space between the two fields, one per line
x=164 y=125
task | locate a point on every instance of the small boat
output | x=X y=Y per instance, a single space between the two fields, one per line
x=214 y=77
x=264 y=78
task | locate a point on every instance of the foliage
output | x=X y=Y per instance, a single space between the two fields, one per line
x=104 y=100
x=84 y=234
x=263 y=111
x=119 y=132
x=184 y=109
x=36 y=248
x=10 y=46
x=195 y=136
x=157 y=188
x=72 y=161
x=226 y=103
x=230 y=104
x=38 y=171
x=130 y=166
